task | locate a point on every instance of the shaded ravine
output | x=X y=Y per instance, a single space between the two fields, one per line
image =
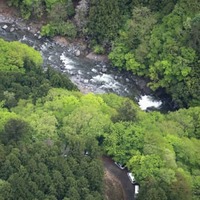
x=88 y=75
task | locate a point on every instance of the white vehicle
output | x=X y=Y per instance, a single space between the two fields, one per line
x=119 y=165
x=131 y=177
x=136 y=190
x=86 y=153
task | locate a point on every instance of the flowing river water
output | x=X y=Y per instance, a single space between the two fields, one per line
x=88 y=75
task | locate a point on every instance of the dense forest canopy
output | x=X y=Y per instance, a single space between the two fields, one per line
x=40 y=157
x=46 y=124
x=44 y=136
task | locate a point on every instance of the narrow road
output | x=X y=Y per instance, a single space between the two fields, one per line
x=121 y=176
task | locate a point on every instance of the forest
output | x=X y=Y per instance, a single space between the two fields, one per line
x=47 y=125
x=43 y=137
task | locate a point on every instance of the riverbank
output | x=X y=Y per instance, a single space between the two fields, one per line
x=7 y=14
x=12 y=15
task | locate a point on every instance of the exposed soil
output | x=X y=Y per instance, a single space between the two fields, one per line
x=11 y=15
x=118 y=186
x=7 y=11
x=113 y=187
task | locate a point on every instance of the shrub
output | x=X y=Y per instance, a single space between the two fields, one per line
x=98 y=49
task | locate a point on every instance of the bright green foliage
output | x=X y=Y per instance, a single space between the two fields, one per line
x=15 y=55
x=98 y=49
x=145 y=166
x=131 y=47
x=161 y=151
x=22 y=76
x=46 y=131
x=163 y=47
x=40 y=160
x=117 y=56
x=62 y=106
x=62 y=28
x=47 y=30
x=123 y=140
x=4 y=117
x=44 y=124
x=171 y=61
x=86 y=121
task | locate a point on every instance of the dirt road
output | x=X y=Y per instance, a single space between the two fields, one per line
x=124 y=189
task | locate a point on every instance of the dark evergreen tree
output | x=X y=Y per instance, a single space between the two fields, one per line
x=104 y=20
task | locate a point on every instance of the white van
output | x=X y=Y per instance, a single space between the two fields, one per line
x=131 y=177
x=136 y=190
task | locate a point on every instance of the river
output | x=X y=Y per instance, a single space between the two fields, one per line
x=88 y=75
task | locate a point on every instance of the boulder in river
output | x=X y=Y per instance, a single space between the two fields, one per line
x=5 y=27
x=127 y=80
x=94 y=70
x=12 y=29
x=78 y=53
x=97 y=57
x=104 y=70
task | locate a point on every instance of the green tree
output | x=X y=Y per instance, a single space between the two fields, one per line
x=145 y=166
x=130 y=49
x=128 y=111
x=5 y=189
x=194 y=32
x=10 y=99
x=102 y=20
x=181 y=188
x=58 y=12
x=15 y=129
x=151 y=189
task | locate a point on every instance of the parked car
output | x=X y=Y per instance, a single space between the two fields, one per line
x=131 y=177
x=86 y=153
x=120 y=165
x=137 y=187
